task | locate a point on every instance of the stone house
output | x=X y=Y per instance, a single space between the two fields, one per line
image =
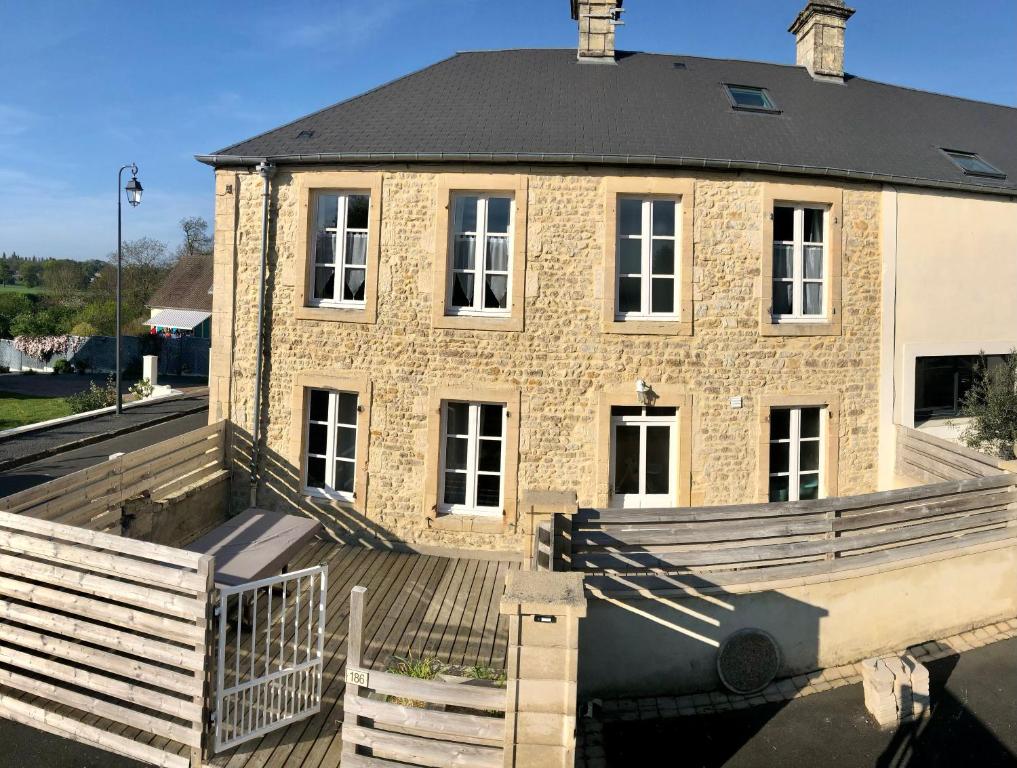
x=655 y=280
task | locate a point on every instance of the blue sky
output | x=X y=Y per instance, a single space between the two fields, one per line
x=89 y=85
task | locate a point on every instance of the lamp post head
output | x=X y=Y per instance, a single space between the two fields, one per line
x=134 y=188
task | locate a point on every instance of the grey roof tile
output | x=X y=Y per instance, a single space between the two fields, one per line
x=542 y=103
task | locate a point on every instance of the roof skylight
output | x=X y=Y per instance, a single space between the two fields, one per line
x=751 y=98
x=973 y=165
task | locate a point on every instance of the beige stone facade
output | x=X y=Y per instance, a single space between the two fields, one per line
x=561 y=357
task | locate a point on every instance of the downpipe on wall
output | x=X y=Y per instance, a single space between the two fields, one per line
x=267 y=171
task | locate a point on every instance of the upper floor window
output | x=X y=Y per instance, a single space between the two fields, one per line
x=331 y=448
x=339 y=275
x=473 y=458
x=799 y=262
x=796 y=437
x=480 y=271
x=647 y=270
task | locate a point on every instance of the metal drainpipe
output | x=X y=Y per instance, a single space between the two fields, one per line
x=267 y=171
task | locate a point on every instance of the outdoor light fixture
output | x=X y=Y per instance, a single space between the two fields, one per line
x=643 y=391
x=133 y=190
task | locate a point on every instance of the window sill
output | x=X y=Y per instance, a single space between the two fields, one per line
x=509 y=323
x=648 y=327
x=336 y=314
x=468 y=523
x=800 y=328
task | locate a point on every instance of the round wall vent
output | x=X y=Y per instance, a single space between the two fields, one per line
x=748 y=661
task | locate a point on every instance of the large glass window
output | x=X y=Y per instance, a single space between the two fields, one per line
x=340 y=249
x=796 y=449
x=331 y=447
x=799 y=262
x=643 y=456
x=941 y=383
x=473 y=457
x=647 y=258
x=481 y=255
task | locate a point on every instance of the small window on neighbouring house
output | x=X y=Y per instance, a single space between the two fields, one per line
x=973 y=165
x=942 y=383
x=750 y=98
x=331 y=445
x=473 y=458
x=480 y=269
x=796 y=442
x=647 y=262
x=339 y=278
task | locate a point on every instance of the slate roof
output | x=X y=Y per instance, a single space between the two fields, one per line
x=544 y=106
x=187 y=286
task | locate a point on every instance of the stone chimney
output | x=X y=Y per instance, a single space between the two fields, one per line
x=597 y=20
x=819 y=30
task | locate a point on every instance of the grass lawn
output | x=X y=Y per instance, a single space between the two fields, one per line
x=17 y=410
x=21 y=289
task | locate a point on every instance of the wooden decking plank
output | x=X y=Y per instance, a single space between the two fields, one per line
x=423 y=629
x=471 y=650
x=403 y=642
x=474 y=607
x=448 y=606
x=461 y=610
x=485 y=652
x=499 y=627
x=399 y=613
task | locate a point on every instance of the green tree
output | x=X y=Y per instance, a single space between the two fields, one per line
x=991 y=404
x=11 y=306
x=62 y=276
x=31 y=273
x=51 y=321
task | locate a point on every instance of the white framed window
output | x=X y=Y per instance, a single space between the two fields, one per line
x=644 y=456
x=339 y=266
x=796 y=453
x=330 y=450
x=481 y=260
x=472 y=458
x=647 y=258
x=799 y=262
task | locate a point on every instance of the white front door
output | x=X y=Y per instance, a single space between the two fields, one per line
x=644 y=455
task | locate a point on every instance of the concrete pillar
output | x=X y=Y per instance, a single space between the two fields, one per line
x=544 y=610
x=150 y=369
x=539 y=508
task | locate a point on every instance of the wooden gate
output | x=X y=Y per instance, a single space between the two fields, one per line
x=270 y=654
x=104 y=640
x=390 y=717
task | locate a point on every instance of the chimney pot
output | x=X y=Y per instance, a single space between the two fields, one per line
x=597 y=21
x=819 y=30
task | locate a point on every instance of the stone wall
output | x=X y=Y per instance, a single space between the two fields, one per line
x=560 y=362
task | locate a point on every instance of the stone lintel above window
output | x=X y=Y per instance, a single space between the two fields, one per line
x=308 y=186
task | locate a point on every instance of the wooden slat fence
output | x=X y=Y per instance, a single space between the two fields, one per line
x=104 y=639
x=764 y=542
x=91 y=498
x=931 y=459
x=416 y=728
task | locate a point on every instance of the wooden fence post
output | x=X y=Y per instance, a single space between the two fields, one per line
x=354 y=655
x=544 y=610
x=206 y=569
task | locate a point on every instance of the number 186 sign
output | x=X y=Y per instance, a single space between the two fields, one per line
x=357 y=677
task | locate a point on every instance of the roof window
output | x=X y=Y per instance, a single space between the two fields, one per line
x=750 y=98
x=973 y=165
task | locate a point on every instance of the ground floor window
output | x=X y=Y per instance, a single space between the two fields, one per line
x=644 y=450
x=796 y=449
x=473 y=458
x=331 y=448
x=942 y=382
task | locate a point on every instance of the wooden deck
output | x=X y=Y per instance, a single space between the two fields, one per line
x=427 y=605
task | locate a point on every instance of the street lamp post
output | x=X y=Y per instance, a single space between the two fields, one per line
x=133 y=190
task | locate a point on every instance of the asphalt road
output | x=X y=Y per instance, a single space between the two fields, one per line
x=44 y=470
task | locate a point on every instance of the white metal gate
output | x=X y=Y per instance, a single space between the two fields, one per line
x=270 y=639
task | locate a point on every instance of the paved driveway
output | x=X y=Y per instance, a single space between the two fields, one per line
x=48 y=385
x=973 y=723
